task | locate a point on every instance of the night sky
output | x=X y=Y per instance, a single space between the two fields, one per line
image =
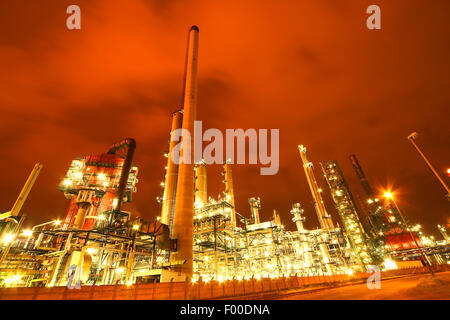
x=310 y=68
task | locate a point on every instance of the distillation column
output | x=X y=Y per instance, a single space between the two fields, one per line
x=324 y=219
x=255 y=206
x=347 y=211
x=298 y=218
x=170 y=183
x=229 y=189
x=201 y=186
x=184 y=204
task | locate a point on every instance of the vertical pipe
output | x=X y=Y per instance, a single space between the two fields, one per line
x=26 y=189
x=255 y=205
x=170 y=183
x=229 y=190
x=131 y=146
x=362 y=177
x=201 y=185
x=324 y=219
x=184 y=205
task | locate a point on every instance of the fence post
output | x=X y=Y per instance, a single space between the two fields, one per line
x=92 y=292
x=36 y=292
x=114 y=292
x=153 y=289
x=135 y=291
x=185 y=288
x=170 y=288
x=223 y=289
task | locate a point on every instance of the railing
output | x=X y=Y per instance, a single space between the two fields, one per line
x=200 y=290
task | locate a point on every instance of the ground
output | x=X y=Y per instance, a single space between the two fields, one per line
x=419 y=287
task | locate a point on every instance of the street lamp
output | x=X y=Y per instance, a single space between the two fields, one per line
x=413 y=137
x=390 y=196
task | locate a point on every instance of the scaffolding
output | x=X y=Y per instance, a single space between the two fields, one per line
x=346 y=208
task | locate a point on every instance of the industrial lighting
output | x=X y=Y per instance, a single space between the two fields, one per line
x=8 y=238
x=57 y=222
x=119 y=270
x=27 y=233
x=135 y=227
x=91 y=250
x=67 y=182
x=349 y=272
x=388 y=195
x=389 y=264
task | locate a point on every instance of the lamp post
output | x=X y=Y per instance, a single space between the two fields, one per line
x=413 y=137
x=391 y=197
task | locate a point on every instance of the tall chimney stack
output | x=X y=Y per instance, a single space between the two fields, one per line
x=184 y=204
x=229 y=189
x=170 y=183
x=362 y=177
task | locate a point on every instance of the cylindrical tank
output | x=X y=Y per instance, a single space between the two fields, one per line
x=170 y=183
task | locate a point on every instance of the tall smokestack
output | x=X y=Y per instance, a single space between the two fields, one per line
x=229 y=189
x=255 y=206
x=362 y=177
x=201 y=185
x=184 y=205
x=170 y=182
x=324 y=219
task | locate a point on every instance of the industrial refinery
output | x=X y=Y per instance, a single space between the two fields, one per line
x=198 y=237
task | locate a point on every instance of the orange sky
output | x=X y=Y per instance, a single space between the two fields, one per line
x=310 y=68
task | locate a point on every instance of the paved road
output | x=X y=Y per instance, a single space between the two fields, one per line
x=407 y=288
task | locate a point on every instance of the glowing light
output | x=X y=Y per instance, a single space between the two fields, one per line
x=67 y=182
x=349 y=272
x=8 y=238
x=57 y=222
x=135 y=227
x=388 y=195
x=119 y=270
x=27 y=233
x=91 y=250
x=389 y=264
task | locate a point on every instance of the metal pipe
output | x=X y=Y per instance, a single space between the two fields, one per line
x=26 y=189
x=255 y=206
x=184 y=206
x=324 y=219
x=229 y=189
x=130 y=144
